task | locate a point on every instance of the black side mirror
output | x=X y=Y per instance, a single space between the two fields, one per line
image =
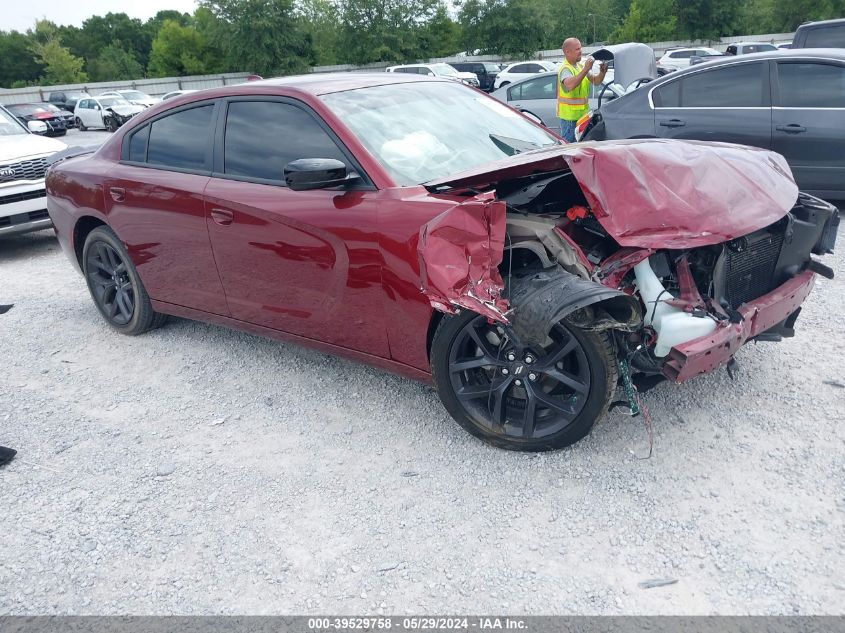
x=316 y=173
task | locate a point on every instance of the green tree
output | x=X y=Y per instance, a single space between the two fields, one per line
x=113 y=29
x=512 y=27
x=262 y=36
x=177 y=50
x=321 y=20
x=440 y=36
x=648 y=21
x=60 y=66
x=708 y=19
x=114 y=63
x=16 y=61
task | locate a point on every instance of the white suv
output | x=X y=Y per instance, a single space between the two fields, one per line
x=436 y=70
x=678 y=58
x=521 y=70
x=23 y=162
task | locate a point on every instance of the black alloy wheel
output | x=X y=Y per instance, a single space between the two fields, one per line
x=115 y=285
x=519 y=396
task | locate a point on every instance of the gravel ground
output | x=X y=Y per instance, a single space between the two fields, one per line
x=198 y=470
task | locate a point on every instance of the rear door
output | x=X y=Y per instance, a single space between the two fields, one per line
x=730 y=103
x=303 y=262
x=808 y=123
x=537 y=96
x=155 y=200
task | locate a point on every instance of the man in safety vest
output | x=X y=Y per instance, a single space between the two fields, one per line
x=573 y=87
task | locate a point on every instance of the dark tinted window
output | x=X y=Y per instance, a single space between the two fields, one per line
x=264 y=136
x=138 y=145
x=759 y=48
x=520 y=68
x=180 y=140
x=811 y=85
x=668 y=95
x=736 y=86
x=681 y=55
x=543 y=88
x=827 y=37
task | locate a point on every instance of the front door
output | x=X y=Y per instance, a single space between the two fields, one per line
x=808 y=124
x=303 y=262
x=537 y=96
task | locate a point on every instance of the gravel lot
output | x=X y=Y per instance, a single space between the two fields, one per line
x=201 y=470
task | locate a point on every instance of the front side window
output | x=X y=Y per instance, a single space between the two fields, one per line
x=180 y=140
x=736 y=86
x=264 y=136
x=422 y=132
x=811 y=85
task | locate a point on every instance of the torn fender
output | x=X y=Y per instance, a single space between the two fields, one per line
x=459 y=253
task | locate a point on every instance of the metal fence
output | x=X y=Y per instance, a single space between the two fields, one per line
x=154 y=87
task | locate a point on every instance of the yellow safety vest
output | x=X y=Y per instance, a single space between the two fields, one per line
x=572 y=105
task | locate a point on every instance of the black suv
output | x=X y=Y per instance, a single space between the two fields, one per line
x=67 y=99
x=826 y=34
x=485 y=71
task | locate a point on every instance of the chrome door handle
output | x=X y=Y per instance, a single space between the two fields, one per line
x=118 y=194
x=223 y=217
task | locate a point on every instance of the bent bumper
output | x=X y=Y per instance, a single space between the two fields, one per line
x=703 y=355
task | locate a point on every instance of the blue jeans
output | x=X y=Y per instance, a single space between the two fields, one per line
x=567 y=130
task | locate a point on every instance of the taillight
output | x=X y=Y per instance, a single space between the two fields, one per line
x=582 y=124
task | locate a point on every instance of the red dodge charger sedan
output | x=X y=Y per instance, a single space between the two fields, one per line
x=420 y=226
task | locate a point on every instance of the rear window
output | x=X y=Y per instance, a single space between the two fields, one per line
x=826 y=37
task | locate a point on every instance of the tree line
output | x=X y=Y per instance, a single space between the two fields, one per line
x=276 y=37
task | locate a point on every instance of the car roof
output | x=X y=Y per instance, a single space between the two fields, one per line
x=816 y=23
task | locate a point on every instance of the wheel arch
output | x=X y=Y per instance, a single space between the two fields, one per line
x=81 y=229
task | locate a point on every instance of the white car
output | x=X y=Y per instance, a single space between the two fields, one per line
x=23 y=162
x=436 y=70
x=135 y=97
x=678 y=58
x=105 y=112
x=521 y=70
x=746 y=48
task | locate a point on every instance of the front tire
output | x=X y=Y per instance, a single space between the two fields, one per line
x=115 y=286
x=80 y=125
x=547 y=397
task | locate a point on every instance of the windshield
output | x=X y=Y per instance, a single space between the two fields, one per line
x=443 y=70
x=112 y=101
x=425 y=131
x=492 y=68
x=9 y=125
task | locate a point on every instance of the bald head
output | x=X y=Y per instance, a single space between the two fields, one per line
x=572 y=50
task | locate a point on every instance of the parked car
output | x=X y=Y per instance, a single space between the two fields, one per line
x=66 y=115
x=822 y=34
x=23 y=161
x=436 y=70
x=105 y=112
x=403 y=223
x=176 y=93
x=678 y=58
x=54 y=122
x=792 y=102
x=485 y=71
x=746 y=48
x=785 y=46
x=135 y=97
x=521 y=70
x=537 y=95
x=66 y=99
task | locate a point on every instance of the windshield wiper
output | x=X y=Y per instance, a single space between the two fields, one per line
x=511 y=146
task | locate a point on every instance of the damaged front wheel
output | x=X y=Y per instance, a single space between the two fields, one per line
x=519 y=396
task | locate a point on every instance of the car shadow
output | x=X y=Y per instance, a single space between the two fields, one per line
x=27 y=245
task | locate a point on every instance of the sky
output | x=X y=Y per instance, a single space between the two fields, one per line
x=20 y=15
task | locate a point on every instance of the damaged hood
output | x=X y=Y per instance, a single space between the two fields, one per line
x=658 y=193
x=126 y=110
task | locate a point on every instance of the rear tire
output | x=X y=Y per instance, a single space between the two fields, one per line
x=115 y=286
x=567 y=386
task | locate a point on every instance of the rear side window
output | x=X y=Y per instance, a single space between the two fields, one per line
x=811 y=85
x=180 y=140
x=264 y=136
x=520 y=68
x=737 y=86
x=826 y=37
x=681 y=55
x=543 y=88
x=138 y=145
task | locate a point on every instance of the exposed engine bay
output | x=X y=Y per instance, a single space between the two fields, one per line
x=682 y=294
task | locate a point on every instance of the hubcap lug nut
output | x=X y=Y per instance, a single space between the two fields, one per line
x=511 y=357
x=518 y=383
x=505 y=371
x=529 y=359
x=532 y=376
